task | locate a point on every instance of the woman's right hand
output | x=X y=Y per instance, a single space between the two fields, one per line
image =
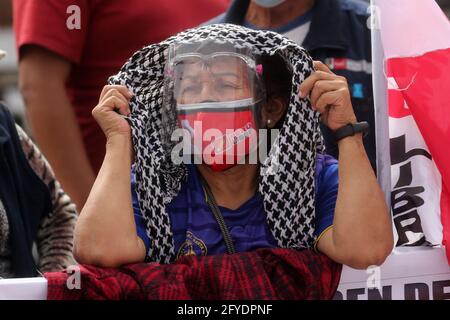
x=105 y=233
x=113 y=100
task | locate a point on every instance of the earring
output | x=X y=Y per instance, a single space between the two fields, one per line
x=269 y=123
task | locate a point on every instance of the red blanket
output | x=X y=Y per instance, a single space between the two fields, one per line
x=262 y=274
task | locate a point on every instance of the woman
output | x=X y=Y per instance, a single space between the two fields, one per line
x=37 y=218
x=290 y=199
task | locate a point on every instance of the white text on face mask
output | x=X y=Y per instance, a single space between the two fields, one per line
x=221 y=146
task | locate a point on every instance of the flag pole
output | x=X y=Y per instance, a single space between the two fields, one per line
x=381 y=103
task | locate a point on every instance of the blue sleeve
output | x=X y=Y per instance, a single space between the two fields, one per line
x=139 y=220
x=327 y=189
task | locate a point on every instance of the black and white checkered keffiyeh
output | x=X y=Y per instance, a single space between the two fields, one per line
x=287 y=185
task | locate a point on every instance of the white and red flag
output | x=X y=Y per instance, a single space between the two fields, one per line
x=414 y=37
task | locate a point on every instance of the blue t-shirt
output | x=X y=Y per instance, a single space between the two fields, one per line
x=196 y=232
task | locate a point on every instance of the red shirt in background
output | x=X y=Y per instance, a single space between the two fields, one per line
x=110 y=32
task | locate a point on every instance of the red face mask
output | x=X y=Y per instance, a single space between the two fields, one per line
x=223 y=138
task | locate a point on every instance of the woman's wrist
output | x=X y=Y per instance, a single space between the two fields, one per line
x=351 y=142
x=118 y=139
x=121 y=144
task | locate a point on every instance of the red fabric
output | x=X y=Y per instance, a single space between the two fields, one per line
x=445 y=218
x=111 y=31
x=427 y=81
x=262 y=274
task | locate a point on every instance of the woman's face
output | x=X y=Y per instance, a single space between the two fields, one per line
x=221 y=79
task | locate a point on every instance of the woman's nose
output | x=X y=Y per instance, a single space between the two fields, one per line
x=208 y=92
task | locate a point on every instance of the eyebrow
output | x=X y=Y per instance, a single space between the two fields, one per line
x=189 y=77
x=226 y=74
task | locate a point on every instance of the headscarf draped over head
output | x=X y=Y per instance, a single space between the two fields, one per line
x=287 y=176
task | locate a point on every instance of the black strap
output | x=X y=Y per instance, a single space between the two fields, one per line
x=351 y=129
x=211 y=201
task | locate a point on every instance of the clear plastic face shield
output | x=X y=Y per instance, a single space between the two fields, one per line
x=216 y=92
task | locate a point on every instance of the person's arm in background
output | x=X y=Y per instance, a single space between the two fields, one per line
x=42 y=80
x=361 y=235
x=105 y=234
x=47 y=50
x=55 y=235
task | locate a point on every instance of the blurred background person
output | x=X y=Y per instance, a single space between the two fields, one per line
x=66 y=50
x=37 y=218
x=334 y=32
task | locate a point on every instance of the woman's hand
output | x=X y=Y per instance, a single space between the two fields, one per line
x=113 y=103
x=330 y=96
x=105 y=234
x=362 y=228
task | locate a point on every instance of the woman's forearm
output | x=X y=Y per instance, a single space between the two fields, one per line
x=106 y=232
x=362 y=228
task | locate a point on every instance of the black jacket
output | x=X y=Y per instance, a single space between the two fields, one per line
x=25 y=197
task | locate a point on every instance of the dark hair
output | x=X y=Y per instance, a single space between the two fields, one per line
x=277 y=80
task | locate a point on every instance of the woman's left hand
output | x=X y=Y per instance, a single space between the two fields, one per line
x=329 y=95
x=361 y=235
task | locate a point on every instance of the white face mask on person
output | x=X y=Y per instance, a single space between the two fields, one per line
x=268 y=3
